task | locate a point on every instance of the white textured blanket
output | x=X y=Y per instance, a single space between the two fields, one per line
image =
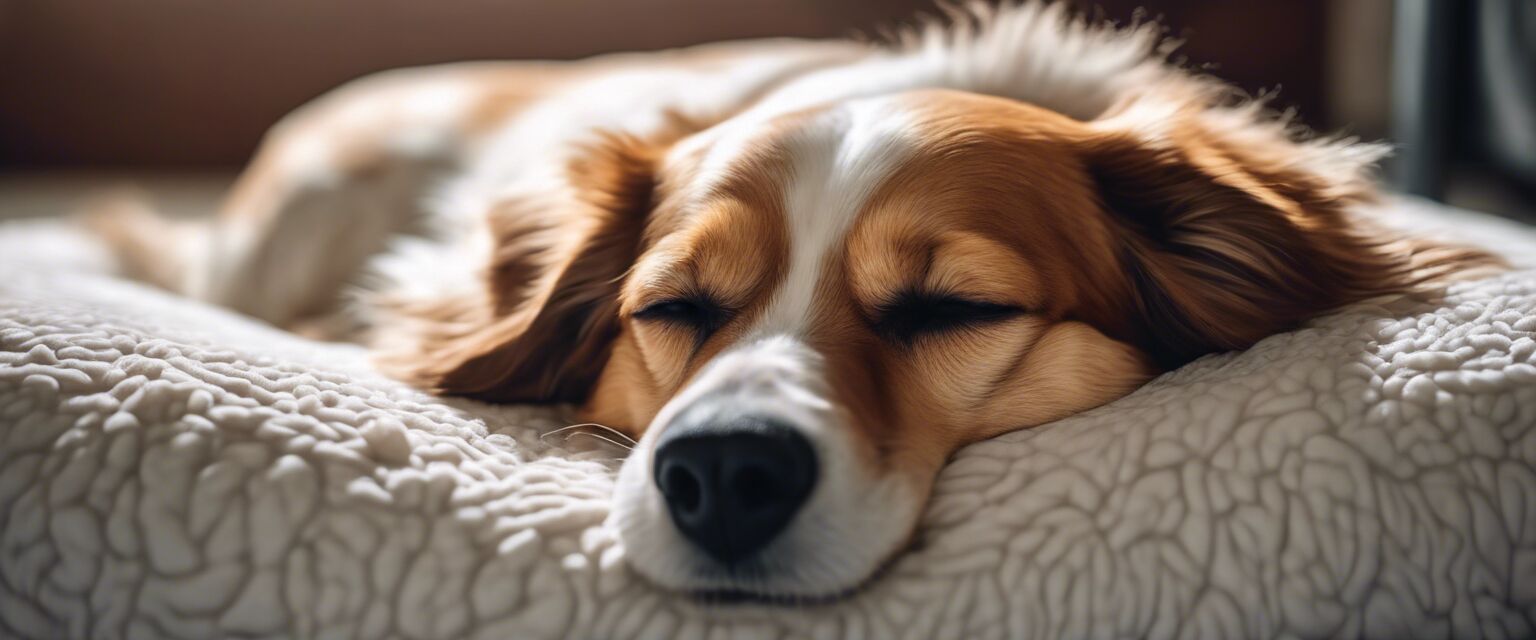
x=172 y=470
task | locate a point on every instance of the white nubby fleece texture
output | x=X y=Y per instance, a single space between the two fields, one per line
x=171 y=470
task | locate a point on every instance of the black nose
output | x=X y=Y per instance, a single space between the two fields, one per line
x=731 y=488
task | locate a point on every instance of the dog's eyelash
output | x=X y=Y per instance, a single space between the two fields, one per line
x=698 y=313
x=912 y=316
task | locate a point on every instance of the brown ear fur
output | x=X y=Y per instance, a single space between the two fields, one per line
x=1231 y=236
x=542 y=328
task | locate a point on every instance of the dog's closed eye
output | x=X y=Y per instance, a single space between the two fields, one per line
x=914 y=315
x=698 y=314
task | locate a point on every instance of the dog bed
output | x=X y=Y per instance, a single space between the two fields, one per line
x=172 y=470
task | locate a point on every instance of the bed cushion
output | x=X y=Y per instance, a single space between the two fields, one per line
x=168 y=469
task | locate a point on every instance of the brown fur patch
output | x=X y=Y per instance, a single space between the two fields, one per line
x=1225 y=244
x=542 y=329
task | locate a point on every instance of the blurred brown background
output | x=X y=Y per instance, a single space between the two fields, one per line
x=193 y=83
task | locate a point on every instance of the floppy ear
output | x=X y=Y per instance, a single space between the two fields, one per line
x=1232 y=231
x=539 y=325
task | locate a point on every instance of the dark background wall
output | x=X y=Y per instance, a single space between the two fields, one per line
x=192 y=83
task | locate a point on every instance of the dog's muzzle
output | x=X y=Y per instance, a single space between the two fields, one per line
x=749 y=482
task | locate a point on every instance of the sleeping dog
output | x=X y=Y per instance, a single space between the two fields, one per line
x=800 y=273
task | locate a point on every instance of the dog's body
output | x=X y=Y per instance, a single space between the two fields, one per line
x=806 y=272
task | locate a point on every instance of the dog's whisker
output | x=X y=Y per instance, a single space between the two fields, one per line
x=628 y=442
x=623 y=442
x=608 y=440
x=620 y=434
x=560 y=430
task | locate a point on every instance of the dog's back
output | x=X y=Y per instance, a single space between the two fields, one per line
x=339 y=180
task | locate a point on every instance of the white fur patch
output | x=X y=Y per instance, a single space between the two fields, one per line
x=1032 y=53
x=837 y=161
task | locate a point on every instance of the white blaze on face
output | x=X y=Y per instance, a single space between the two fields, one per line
x=855 y=517
x=837 y=162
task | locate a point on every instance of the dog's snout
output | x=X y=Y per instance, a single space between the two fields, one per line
x=731 y=488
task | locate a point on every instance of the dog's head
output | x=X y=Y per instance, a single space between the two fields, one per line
x=801 y=315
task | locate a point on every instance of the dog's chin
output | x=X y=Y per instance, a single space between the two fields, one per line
x=841 y=541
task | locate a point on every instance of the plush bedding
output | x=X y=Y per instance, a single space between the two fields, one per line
x=171 y=470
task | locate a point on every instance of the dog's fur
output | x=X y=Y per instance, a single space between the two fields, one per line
x=1080 y=214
